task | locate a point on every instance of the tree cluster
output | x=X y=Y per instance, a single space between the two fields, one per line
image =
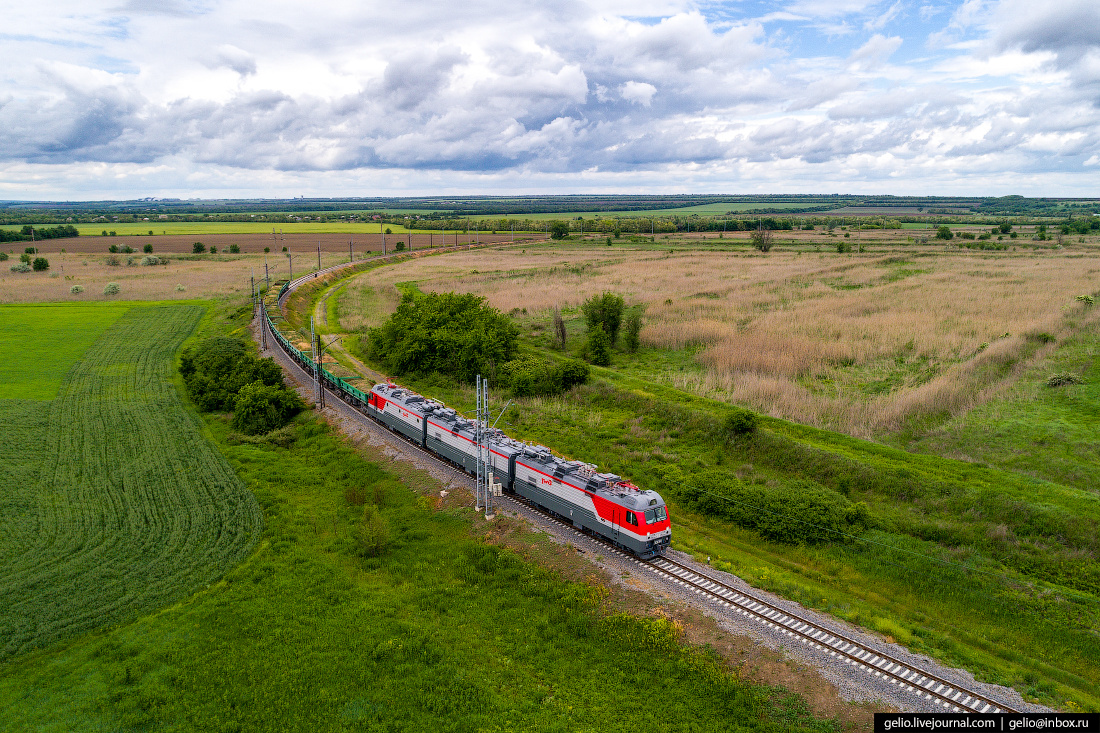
x=457 y=335
x=221 y=373
x=605 y=316
x=28 y=233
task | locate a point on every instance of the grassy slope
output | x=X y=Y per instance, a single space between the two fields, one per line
x=443 y=632
x=1036 y=430
x=956 y=568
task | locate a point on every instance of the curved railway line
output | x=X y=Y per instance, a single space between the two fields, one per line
x=860 y=655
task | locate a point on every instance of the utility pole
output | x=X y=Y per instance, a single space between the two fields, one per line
x=318 y=257
x=290 y=256
x=477 y=441
x=267 y=275
x=409 y=237
x=263 y=326
x=383 y=233
x=313 y=353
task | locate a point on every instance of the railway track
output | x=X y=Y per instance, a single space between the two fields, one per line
x=860 y=655
x=952 y=696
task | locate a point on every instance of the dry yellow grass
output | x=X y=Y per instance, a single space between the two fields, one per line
x=859 y=343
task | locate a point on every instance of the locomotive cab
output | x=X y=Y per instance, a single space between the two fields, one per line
x=645 y=528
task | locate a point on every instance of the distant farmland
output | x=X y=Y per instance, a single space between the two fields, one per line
x=113 y=503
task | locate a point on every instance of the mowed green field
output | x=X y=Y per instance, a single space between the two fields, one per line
x=111 y=501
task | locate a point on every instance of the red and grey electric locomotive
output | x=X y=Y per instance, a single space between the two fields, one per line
x=601 y=503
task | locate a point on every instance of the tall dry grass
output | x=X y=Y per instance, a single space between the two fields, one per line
x=811 y=337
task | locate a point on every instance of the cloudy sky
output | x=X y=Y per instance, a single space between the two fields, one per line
x=211 y=98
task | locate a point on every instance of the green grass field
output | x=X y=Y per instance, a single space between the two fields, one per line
x=112 y=504
x=41 y=343
x=441 y=632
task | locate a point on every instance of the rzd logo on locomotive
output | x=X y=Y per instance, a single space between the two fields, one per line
x=547 y=481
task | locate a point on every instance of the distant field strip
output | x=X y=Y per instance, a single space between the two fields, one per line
x=112 y=503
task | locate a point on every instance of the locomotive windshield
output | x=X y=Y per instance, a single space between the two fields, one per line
x=652 y=516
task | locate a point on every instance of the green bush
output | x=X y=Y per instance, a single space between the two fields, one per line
x=598 y=347
x=801 y=512
x=739 y=422
x=198 y=248
x=559 y=230
x=530 y=376
x=3 y=256
x=76 y=289
x=944 y=232
x=234 y=249
x=1062 y=379
x=216 y=369
x=604 y=311
x=21 y=267
x=40 y=264
x=633 y=328
x=456 y=335
x=372 y=536
x=399 y=246
x=150 y=260
x=147 y=249
x=260 y=408
x=111 y=289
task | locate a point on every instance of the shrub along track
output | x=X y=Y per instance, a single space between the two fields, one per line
x=915 y=687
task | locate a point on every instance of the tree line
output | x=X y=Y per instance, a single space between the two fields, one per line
x=29 y=233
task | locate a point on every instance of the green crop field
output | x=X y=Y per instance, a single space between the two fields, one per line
x=112 y=503
x=32 y=366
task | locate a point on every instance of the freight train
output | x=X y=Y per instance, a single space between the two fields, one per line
x=600 y=503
